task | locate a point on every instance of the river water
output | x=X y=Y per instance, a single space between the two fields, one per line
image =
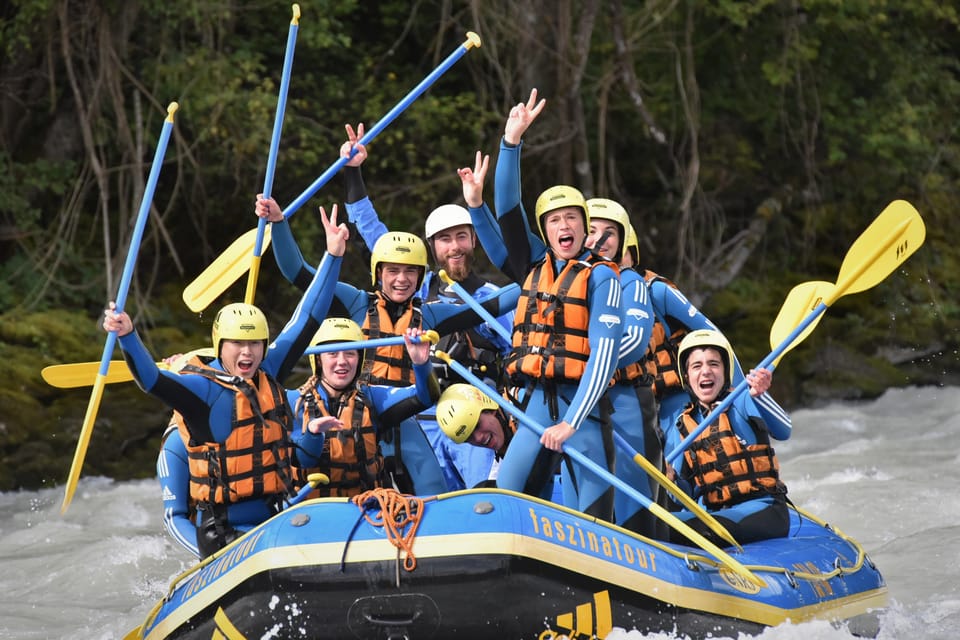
x=883 y=471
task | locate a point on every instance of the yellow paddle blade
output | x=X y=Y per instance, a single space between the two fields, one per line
x=84 y=374
x=686 y=500
x=889 y=240
x=85 y=432
x=800 y=302
x=134 y=634
x=228 y=267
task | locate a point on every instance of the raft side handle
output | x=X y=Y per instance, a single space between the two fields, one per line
x=838 y=567
x=791 y=578
x=691 y=564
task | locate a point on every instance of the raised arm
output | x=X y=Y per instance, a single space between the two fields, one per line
x=313 y=307
x=360 y=210
x=287 y=253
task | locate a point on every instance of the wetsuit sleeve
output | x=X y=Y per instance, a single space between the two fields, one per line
x=307 y=446
x=505 y=320
x=605 y=333
x=637 y=317
x=366 y=220
x=290 y=344
x=522 y=246
x=393 y=405
x=766 y=408
x=489 y=235
x=352 y=301
x=676 y=309
x=773 y=415
x=447 y=317
x=287 y=254
x=173 y=474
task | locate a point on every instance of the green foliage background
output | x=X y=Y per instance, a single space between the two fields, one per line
x=781 y=126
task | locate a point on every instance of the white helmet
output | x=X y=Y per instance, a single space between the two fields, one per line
x=444 y=217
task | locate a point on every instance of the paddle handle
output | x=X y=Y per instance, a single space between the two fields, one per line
x=274 y=151
x=145 y=203
x=474 y=304
x=473 y=40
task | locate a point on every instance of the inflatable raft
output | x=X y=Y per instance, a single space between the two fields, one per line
x=496 y=564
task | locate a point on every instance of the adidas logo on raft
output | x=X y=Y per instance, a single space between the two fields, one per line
x=581 y=622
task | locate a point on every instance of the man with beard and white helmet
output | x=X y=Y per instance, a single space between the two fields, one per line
x=450 y=234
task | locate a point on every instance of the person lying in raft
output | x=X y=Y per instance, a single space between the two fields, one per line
x=730 y=467
x=468 y=417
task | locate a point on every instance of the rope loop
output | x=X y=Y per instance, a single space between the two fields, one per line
x=398 y=514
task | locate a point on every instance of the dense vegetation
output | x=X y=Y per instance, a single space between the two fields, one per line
x=751 y=142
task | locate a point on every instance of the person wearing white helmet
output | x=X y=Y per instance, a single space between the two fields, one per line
x=231 y=411
x=566 y=337
x=730 y=466
x=398 y=267
x=452 y=239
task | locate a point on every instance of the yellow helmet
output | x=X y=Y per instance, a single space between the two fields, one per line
x=398 y=247
x=239 y=321
x=604 y=209
x=336 y=330
x=558 y=197
x=632 y=245
x=702 y=338
x=459 y=408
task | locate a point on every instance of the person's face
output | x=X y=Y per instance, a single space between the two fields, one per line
x=597 y=228
x=705 y=374
x=565 y=232
x=453 y=249
x=339 y=368
x=399 y=281
x=489 y=432
x=241 y=357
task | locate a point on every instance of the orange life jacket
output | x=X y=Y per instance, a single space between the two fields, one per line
x=661 y=358
x=255 y=459
x=725 y=470
x=389 y=366
x=552 y=321
x=351 y=457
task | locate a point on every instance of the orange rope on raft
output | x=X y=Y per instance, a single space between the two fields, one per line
x=396 y=513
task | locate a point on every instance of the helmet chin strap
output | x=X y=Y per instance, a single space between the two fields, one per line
x=602 y=240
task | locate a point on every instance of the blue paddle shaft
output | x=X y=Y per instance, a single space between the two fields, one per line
x=481 y=311
x=744 y=385
x=277 y=128
x=377 y=128
x=136 y=239
x=357 y=345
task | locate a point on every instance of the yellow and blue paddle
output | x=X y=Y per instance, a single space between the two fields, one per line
x=233 y=262
x=258 y=246
x=589 y=464
x=87 y=429
x=889 y=240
